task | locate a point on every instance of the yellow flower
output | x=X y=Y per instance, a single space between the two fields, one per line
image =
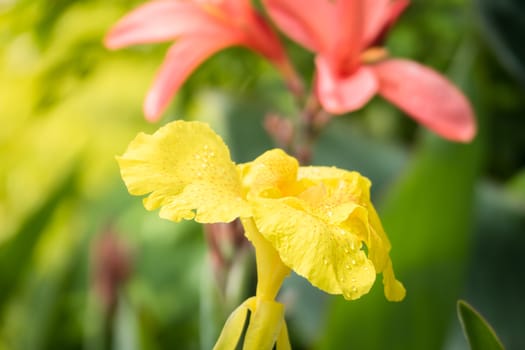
x=317 y=221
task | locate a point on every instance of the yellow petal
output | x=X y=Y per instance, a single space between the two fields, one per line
x=352 y=184
x=231 y=332
x=274 y=173
x=271 y=271
x=394 y=290
x=378 y=252
x=325 y=254
x=265 y=325
x=283 y=342
x=187 y=169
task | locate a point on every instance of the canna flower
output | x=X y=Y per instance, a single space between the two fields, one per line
x=200 y=28
x=316 y=221
x=351 y=69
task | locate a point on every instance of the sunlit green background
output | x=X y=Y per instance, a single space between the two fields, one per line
x=455 y=213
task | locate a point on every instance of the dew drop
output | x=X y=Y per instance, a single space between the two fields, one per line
x=346 y=250
x=353 y=280
x=325 y=261
x=347 y=267
x=354 y=290
x=353 y=262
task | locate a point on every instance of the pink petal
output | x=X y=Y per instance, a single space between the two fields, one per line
x=375 y=16
x=311 y=24
x=158 y=21
x=394 y=10
x=428 y=97
x=347 y=42
x=340 y=94
x=260 y=37
x=236 y=8
x=182 y=59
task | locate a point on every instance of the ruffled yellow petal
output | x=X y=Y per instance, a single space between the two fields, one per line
x=187 y=169
x=328 y=256
x=319 y=219
x=353 y=185
x=273 y=173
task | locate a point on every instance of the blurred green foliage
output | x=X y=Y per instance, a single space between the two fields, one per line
x=455 y=213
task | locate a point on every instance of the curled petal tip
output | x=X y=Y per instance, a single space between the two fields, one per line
x=468 y=133
x=152 y=109
x=108 y=42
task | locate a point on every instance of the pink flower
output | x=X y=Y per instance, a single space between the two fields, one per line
x=200 y=28
x=350 y=69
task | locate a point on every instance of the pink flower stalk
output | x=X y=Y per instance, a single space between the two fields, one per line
x=200 y=28
x=350 y=69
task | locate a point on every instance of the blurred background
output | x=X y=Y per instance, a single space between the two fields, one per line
x=84 y=266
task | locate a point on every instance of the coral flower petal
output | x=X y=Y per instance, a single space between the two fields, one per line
x=188 y=172
x=311 y=25
x=181 y=60
x=346 y=93
x=375 y=15
x=380 y=15
x=158 y=21
x=428 y=97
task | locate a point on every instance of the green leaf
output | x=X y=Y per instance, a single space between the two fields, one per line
x=478 y=332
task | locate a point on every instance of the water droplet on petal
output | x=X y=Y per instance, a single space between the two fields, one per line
x=325 y=261
x=353 y=262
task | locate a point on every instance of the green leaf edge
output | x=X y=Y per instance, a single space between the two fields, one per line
x=464 y=308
